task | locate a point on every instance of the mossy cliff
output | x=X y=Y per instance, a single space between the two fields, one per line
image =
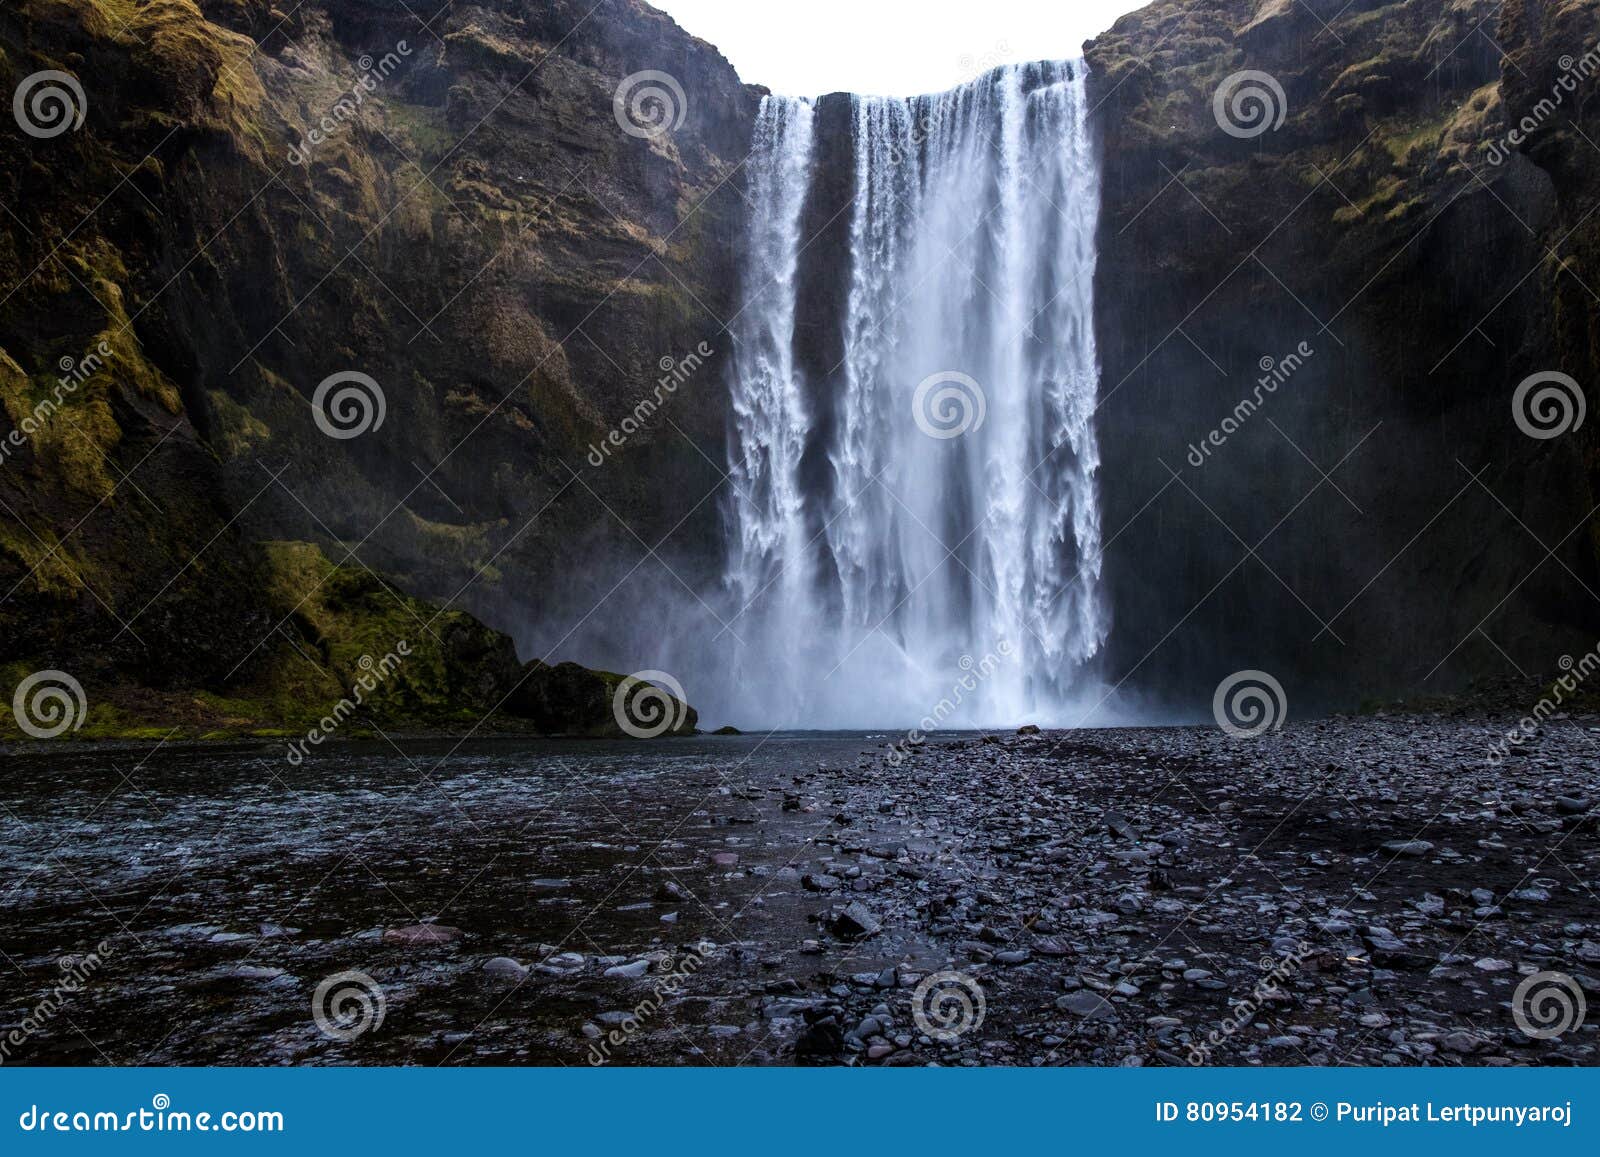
x=349 y=648
x=1375 y=520
x=261 y=196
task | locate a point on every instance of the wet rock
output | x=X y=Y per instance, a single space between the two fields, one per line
x=857 y=922
x=561 y=964
x=422 y=935
x=504 y=968
x=821 y=1039
x=1410 y=848
x=1117 y=824
x=1088 y=1005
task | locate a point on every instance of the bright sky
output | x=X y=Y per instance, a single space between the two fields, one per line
x=889 y=47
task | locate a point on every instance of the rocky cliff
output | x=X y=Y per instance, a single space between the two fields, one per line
x=1360 y=513
x=476 y=225
x=435 y=301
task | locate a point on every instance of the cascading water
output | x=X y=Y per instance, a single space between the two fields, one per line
x=914 y=533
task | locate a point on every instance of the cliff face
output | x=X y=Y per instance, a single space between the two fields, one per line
x=1360 y=513
x=261 y=197
x=1318 y=328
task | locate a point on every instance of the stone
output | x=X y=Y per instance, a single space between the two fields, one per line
x=1088 y=1005
x=1411 y=848
x=504 y=968
x=857 y=922
x=418 y=935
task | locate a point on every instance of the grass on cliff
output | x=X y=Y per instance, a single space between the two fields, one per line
x=340 y=627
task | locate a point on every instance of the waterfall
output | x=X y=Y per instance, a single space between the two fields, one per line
x=914 y=533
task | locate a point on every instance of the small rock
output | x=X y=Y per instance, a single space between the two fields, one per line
x=504 y=968
x=857 y=921
x=417 y=935
x=1089 y=1005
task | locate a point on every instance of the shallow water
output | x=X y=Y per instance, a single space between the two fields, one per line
x=1104 y=897
x=207 y=872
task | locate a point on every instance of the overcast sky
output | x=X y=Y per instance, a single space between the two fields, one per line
x=888 y=47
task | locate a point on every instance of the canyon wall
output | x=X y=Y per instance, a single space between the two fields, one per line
x=1360 y=515
x=261 y=197
x=454 y=205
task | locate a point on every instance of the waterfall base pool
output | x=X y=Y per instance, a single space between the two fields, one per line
x=1102 y=897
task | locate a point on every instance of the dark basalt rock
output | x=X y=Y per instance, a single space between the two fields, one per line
x=571 y=700
x=230 y=283
x=1375 y=226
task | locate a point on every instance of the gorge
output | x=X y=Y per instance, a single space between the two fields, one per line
x=485 y=242
x=521 y=546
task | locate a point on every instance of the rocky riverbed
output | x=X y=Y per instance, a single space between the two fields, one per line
x=1352 y=891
